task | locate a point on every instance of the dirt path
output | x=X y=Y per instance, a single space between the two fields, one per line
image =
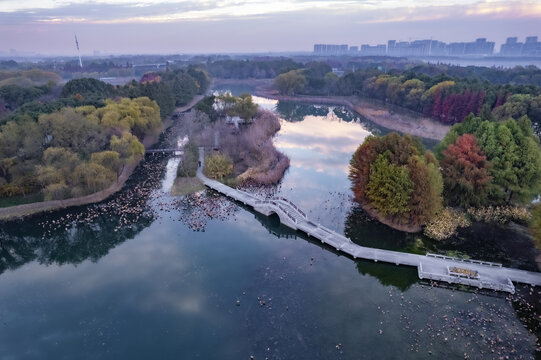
x=19 y=211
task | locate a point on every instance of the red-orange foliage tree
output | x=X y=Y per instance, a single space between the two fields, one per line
x=360 y=165
x=465 y=173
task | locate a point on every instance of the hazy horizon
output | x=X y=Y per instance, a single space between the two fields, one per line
x=170 y=27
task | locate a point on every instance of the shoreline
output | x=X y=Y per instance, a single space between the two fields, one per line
x=388 y=116
x=20 y=211
x=411 y=229
x=378 y=114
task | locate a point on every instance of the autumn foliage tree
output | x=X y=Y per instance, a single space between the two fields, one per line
x=513 y=151
x=465 y=173
x=397 y=178
x=217 y=166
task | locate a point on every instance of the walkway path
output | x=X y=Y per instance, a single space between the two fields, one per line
x=436 y=267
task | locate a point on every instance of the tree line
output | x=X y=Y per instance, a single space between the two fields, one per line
x=168 y=89
x=20 y=87
x=441 y=97
x=255 y=68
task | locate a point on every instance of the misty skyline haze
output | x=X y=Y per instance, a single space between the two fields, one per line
x=148 y=26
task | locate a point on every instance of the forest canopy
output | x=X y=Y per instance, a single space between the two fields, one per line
x=74 y=151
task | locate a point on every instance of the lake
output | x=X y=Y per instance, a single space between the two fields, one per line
x=129 y=278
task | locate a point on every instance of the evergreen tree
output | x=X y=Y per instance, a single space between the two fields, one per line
x=389 y=189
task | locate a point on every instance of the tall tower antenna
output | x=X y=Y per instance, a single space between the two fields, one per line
x=78 y=52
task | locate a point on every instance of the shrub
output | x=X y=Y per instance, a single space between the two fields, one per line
x=445 y=224
x=56 y=191
x=217 y=166
x=499 y=214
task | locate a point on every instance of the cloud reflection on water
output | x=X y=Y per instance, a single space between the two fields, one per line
x=321 y=143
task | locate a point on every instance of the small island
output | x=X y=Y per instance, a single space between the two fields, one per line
x=239 y=135
x=482 y=171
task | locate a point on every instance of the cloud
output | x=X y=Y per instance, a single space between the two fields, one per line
x=189 y=26
x=153 y=11
x=487 y=9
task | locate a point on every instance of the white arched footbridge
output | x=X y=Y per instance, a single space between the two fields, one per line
x=481 y=274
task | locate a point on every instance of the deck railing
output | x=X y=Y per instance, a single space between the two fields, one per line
x=477 y=262
x=508 y=287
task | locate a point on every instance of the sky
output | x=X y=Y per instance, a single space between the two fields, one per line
x=217 y=26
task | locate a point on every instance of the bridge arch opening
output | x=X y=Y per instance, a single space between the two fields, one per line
x=274 y=219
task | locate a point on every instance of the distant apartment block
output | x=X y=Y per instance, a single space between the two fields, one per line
x=438 y=48
x=512 y=47
x=331 y=49
x=378 y=50
x=423 y=48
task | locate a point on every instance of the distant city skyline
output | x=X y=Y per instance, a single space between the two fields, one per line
x=531 y=46
x=212 y=26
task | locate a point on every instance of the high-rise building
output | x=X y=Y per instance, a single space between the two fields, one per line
x=531 y=47
x=511 y=47
x=331 y=49
x=377 y=50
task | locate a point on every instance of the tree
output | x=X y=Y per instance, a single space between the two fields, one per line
x=108 y=159
x=55 y=175
x=61 y=158
x=162 y=94
x=89 y=177
x=290 y=83
x=72 y=130
x=217 y=166
x=515 y=107
x=141 y=116
x=426 y=197
x=243 y=107
x=389 y=188
x=201 y=76
x=360 y=166
x=184 y=86
x=128 y=147
x=465 y=173
x=396 y=176
x=87 y=87
x=206 y=105
x=513 y=151
x=56 y=191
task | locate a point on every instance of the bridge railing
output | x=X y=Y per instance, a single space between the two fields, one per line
x=293 y=205
x=291 y=217
x=477 y=262
x=508 y=287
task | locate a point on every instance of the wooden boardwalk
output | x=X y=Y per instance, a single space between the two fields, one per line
x=430 y=266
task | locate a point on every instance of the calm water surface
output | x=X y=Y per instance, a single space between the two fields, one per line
x=128 y=278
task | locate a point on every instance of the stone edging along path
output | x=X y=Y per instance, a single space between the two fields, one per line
x=19 y=211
